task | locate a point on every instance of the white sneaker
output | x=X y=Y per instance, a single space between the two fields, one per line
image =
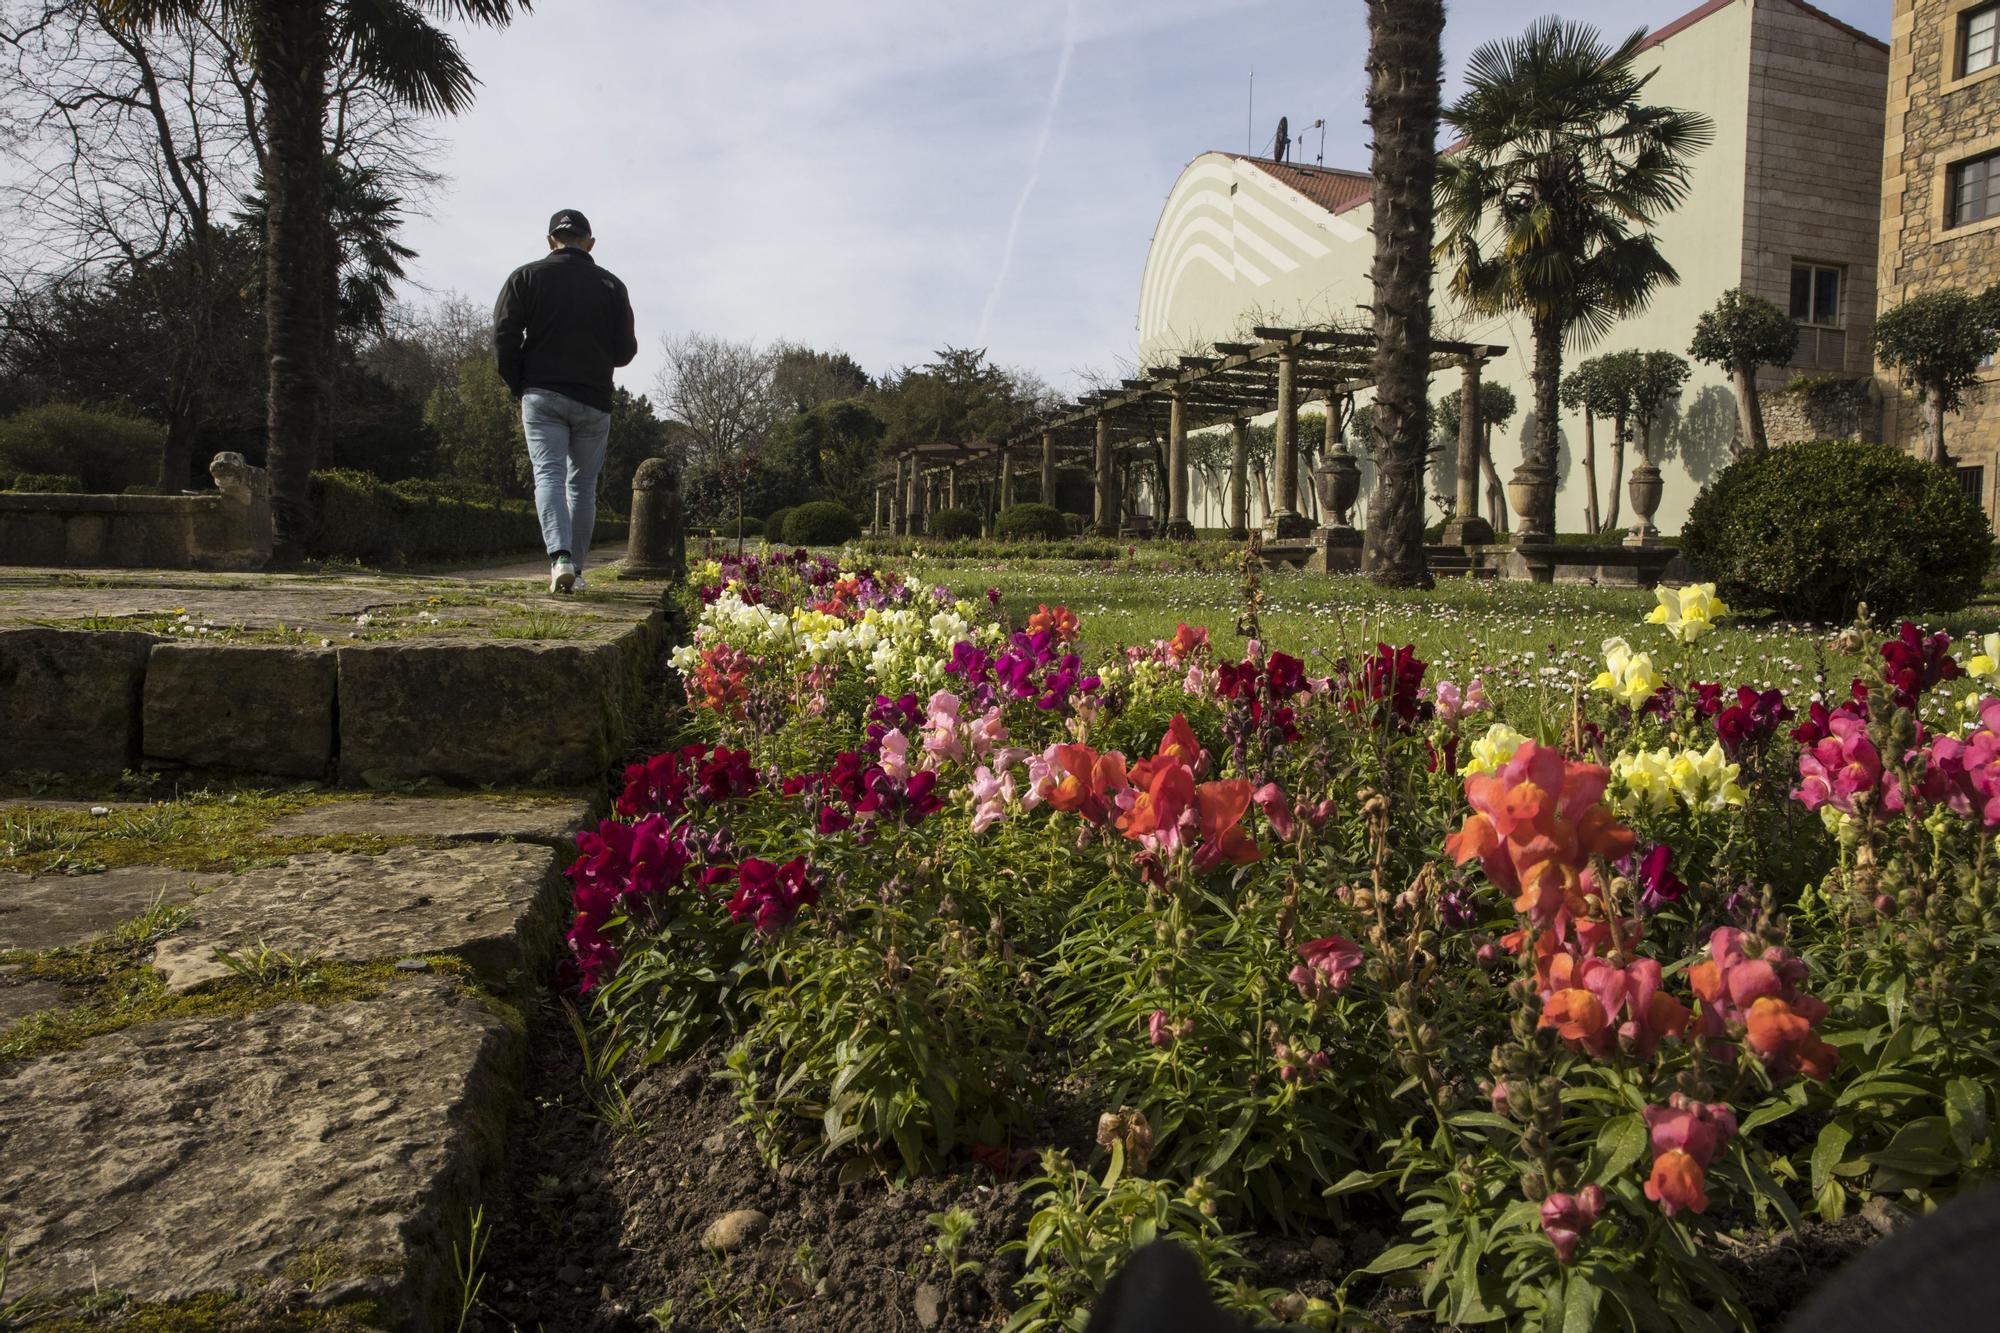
x=562 y=578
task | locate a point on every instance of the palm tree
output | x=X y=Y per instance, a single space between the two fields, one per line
x=290 y=45
x=1548 y=204
x=1405 y=71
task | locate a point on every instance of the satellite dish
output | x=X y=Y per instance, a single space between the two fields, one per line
x=1283 y=142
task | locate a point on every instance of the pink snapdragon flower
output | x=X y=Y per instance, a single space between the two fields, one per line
x=895 y=758
x=1328 y=967
x=992 y=794
x=941 y=729
x=1840 y=766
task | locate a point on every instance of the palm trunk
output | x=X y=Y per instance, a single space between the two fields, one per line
x=292 y=48
x=1618 y=428
x=1750 y=409
x=1589 y=471
x=1934 y=427
x=1548 y=421
x=1496 y=493
x=1405 y=68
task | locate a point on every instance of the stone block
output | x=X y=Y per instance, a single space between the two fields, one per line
x=206 y=1155
x=494 y=905
x=488 y=714
x=40 y=912
x=70 y=699
x=551 y=822
x=246 y=708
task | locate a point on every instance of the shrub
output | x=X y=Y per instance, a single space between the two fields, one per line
x=1032 y=520
x=821 y=523
x=1811 y=530
x=106 y=452
x=774 y=524
x=954 y=524
x=356 y=516
x=46 y=483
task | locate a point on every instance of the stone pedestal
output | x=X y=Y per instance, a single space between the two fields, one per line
x=657 y=545
x=1335 y=551
x=1287 y=525
x=1178 y=530
x=1472 y=531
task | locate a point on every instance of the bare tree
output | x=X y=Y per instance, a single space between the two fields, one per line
x=722 y=392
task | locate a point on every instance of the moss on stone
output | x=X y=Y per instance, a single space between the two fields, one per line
x=216 y=1312
x=215 y=830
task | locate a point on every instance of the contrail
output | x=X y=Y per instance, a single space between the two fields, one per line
x=1034 y=173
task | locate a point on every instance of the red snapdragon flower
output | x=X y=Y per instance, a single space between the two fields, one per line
x=1913 y=662
x=771 y=895
x=1566 y=1217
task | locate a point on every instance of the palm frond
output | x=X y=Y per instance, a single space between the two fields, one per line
x=416 y=63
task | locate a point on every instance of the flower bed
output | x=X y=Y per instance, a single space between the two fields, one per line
x=1567 y=997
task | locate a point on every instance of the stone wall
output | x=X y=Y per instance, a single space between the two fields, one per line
x=1823 y=408
x=1936 y=119
x=227 y=529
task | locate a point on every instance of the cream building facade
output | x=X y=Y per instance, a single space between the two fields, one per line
x=1785 y=203
x=1941 y=202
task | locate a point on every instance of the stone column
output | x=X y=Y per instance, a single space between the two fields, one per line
x=914 y=518
x=1006 y=477
x=1286 y=522
x=875 y=528
x=1048 y=468
x=1178 y=527
x=899 y=500
x=1467 y=528
x=1239 y=479
x=951 y=487
x=1107 y=480
x=657 y=545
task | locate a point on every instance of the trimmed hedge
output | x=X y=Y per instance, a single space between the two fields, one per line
x=104 y=451
x=1812 y=530
x=821 y=523
x=46 y=483
x=357 y=516
x=1032 y=520
x=749 y=527
x=774 y=525
x=953 y=524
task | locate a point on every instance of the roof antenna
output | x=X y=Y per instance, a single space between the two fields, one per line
x=1250 y=114
x=1320 y=125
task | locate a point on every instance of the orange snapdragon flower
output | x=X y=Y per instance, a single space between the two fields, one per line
x=1089 y=781
x=1058 y=618
x=1536 y=824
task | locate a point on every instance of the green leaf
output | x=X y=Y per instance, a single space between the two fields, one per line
x=1230 y=1141
x=1580 y=1299
x=1397 y=1258
x=1767 y=1114
x=1828 y=1150
x=1966 y=1112
x=1117 y=1167
x=1619 y=1144
x=1356 y=1180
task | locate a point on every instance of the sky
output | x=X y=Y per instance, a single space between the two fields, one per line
x=889 y=177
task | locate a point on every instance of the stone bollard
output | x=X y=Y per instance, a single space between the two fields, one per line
x=657 y=548
x=233 y=530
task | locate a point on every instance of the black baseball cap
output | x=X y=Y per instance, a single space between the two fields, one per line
x=569 y=222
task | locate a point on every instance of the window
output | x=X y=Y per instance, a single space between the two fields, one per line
x=1973 y=190
x=1816 y=294
x=1972 y=481
x=1978 y=39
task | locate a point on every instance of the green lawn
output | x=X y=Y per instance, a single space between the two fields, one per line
x=1522 y=638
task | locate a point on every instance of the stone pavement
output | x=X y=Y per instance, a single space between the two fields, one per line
x=298 y=1154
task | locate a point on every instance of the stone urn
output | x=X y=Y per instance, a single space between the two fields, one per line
x=1644 y=487
x=1339 y=482
x=1530 y=492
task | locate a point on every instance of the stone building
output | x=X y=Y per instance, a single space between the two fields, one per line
x=1786 y=202
x=1941 y=200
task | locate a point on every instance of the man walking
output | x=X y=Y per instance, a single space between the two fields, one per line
x=561 y=326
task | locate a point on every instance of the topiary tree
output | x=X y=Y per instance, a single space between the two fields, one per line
x=821 y=523
x=740 y=527
x=1812 y=530
x=1937 y=339
x=1657 y=378
x=1045 y=522
x=953 y=524
x=1742 y=332
x=774 y=524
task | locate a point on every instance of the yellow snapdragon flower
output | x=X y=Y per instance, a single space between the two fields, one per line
x=1647 y=779
x=1628 y=676
x=1493 y=749
x=1985 y=664
x=1688 y=613
x=1706 y=778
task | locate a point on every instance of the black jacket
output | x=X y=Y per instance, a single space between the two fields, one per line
x=564 y=324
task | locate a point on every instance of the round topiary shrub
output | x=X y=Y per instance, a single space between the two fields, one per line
x=1042 y=522
x=1812 y=530
x=954 y=524
x=774 y=524
x=748 y=527
x=821 y=523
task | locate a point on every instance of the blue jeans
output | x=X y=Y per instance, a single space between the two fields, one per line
x=566 y=442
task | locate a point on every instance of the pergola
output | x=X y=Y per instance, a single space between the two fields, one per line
x=1231 y=383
